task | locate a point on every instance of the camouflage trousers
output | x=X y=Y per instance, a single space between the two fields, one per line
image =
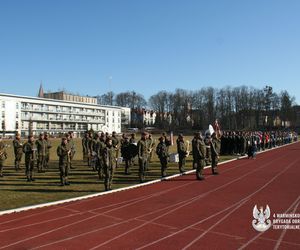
x=18 y=158
x=64 y=172
x=108 y=176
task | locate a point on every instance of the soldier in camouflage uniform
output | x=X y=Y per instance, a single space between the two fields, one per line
x=64 y=152
x=182 y=153
x=29 y=150
x=41 y=146
x=162 y=153
x=3 y=156
x=48 y=146
x=215 y=152
x=199 y=155
x=99 y=149
x=142 y=156
x=109 y=163
x=18 y=150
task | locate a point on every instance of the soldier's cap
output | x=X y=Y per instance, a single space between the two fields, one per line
x=30 y=136
x=161 y=138
x=70 y=132
x=63 y=138
x=180 y=135
x=67 y=134
x=41 y=134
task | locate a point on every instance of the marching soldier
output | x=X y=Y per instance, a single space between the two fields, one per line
x=99 y=149
x=41 y=145
x=3 y=156
x=109 y=163
x=182 y=153
x=18 y=150
x=215 y=145
x=162 y=153
x=48 y=146
x=199 y=155
x=29 y=150
x=64 y=152
x=142 y=156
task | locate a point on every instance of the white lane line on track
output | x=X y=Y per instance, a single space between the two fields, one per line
x=258 y=235
x=190 y=226
x=159 y=224
x=191 y=200
x=41 y=222
x=185 y=204
x=81 y=198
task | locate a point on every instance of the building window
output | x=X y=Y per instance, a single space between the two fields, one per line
x=3 y=104
x=17 y=115
x=3 y=114
x=17 y=105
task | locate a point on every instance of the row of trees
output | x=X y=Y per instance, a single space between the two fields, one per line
x=236 y=108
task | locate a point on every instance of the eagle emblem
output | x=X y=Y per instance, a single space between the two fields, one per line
x=261 y=220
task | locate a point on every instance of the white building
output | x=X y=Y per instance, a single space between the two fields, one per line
x=24 y=114
x=126 y=117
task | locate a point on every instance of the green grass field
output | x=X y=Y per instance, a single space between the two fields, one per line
x=16 y=192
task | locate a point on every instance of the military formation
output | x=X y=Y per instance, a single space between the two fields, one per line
x=104 y=152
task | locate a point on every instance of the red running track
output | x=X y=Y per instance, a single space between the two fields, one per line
x=181 y=213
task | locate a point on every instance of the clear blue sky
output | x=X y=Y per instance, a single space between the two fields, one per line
x=148 y=45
